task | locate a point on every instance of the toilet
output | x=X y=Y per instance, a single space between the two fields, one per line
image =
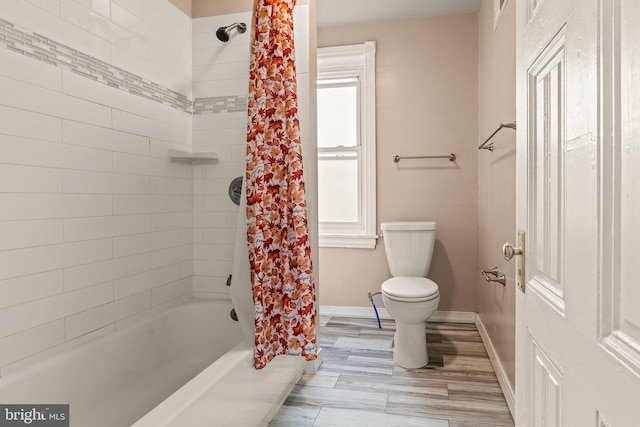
x=410 y=298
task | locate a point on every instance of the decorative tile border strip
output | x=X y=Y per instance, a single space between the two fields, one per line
x=220 y=104
x=49 y=51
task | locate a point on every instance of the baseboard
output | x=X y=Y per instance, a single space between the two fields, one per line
x=507 y=390
x=367 y=312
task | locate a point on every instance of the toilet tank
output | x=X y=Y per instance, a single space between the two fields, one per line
x=409 y=247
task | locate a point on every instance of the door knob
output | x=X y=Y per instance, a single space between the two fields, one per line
x=508 y=251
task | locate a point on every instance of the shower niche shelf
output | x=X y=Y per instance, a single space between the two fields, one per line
x=185 y=156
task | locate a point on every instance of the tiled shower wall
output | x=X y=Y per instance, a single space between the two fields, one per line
x=95 y=221
x=220 y=83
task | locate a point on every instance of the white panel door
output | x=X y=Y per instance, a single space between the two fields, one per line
x=578 y=200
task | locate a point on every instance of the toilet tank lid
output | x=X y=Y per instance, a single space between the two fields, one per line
x=408 y=225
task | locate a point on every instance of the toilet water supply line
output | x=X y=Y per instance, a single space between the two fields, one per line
x=374 y=307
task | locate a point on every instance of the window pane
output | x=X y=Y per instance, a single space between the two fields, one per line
x=337 y=116
x=338 y=190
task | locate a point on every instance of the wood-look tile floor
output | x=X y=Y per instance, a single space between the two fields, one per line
x=359 y=385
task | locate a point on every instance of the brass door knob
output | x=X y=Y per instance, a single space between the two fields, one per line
x=508 y=251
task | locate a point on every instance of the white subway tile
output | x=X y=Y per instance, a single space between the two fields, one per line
x=15 y=207
x=144 y=68
x=161 y=149
x=76 y=229
x=25 y=234
x=26 y=316
x=25 y=69
x=24 y=151
x=217 y=268
x=171 y=291
x=144 y=281
x=99 y=6
x=98 y=317
x=146 y=242
x=212 y=121
x=208 y=284
x=219 y=203
x=178 y=254
x=173 y=22
x=220 y=236
x=76 y=133
x=223 y=54
x=213 y=252
x=162 y=185
x=48 y=25
x=24 y=289
x=130 y=21
x=20 y=262
x=210 y=186
x=26 y=179
x=142 y=165
x=32 y=341
x=94 y=23
x=211 y=23
x=52 y=103
x=171 y=221
x=128 y=205
x=29 y=125
x=230 y=137
x=203 y=73
x=213 y=219
x=186 y=268
x=104 y=183
x=137 y=7
x=139 y=125
x=51 y=6
x=84 y=88
x=85 y=275
x=137 y=318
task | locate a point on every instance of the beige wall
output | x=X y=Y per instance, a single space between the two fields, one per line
x=496 y=177
x=183 y=5
x=426 y=90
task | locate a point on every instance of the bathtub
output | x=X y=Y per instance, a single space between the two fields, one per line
x=133 y=374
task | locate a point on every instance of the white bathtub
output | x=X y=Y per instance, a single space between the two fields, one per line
x=115 y=380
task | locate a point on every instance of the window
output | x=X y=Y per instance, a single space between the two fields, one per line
x=347 y=146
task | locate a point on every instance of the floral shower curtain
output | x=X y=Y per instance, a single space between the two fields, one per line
x=277 y=232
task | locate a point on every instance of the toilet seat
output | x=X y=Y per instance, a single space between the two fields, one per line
x=410 y=289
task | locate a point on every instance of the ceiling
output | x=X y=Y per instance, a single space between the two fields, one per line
x=332 y=13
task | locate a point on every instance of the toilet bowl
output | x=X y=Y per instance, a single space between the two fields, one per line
x=410 y=298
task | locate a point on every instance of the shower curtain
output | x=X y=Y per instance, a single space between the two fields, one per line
x=277 y=231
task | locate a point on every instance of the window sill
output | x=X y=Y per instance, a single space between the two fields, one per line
x=348 y=241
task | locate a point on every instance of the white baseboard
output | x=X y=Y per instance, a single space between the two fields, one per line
x=507 y=390
x=367 y=312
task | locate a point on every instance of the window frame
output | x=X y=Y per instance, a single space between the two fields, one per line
x=338 y=62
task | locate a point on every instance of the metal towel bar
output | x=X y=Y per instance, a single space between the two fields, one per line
x=451 y=157
x=489 y=147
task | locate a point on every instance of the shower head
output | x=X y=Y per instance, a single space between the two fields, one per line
x=223 y=33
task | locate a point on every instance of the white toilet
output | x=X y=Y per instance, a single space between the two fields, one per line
x=410 y=298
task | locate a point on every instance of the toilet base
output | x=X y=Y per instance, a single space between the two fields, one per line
x=410 y=346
